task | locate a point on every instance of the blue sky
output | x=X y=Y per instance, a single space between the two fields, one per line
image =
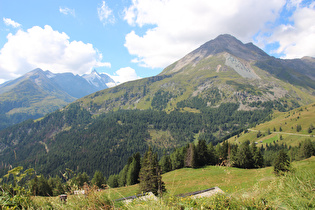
x=131 y=39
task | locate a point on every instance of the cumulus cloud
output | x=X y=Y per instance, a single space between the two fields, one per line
x=46 y=49
x=180 y=26
x=10 y=22
x=298 y=38
x=67 y=11
x=105 y=14
x=124 y=75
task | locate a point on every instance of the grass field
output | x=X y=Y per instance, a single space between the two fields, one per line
x=242 y=187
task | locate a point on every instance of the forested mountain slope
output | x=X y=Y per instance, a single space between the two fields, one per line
x=212 y=93
x=72 y=138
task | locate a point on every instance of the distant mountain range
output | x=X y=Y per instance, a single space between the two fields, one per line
x=40 y=92
x=212 y=93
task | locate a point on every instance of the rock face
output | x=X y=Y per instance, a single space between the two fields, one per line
x=242 y=69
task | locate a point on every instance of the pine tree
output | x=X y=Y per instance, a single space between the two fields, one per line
x=281 y=163
x=56 y=185
x=190 y=157
x=306 y=149
x=43 y=187
x=98 y=179
x=244 y=156
x=150 y=174
x=166 y=164
x=113 y=181
x=233 y=155
x=133 y=170
x=212 y=157
x=178 y=157
x=203 y=155
x=123 y=176
x=258 y=159
x=80 y=179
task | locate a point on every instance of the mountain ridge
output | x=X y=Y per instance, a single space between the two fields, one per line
x=40 y=92
x=236 y=77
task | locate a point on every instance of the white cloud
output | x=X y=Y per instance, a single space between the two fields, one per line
x=105 y=14
x=46 y=49
x=124 y=75
x=10 y=22
x=67 y=11
x=180 y=26
x=298 y=38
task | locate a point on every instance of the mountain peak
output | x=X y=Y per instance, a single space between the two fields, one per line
x=228 y=43
x=94 y=72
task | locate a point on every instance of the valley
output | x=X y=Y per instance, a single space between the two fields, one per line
x=221 y=115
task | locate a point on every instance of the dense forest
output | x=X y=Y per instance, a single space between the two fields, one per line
x=73 y=138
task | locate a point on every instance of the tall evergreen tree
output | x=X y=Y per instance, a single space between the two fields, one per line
x=212 y=156
x=56 y=185
x=113 y=180
x=150 y=174
x=134 y=169
x=244 y=156
x=190 y=157
x=80 y=179
x=123 y=176
x=203 y=156
x=165 y=163
x=281 y=163
x=306 y=149
x=233 y=155
x=258 y=160
x=98 y=179
x=178 y=157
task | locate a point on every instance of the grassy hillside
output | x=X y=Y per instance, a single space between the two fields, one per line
x=288 y=121
x=258 y=188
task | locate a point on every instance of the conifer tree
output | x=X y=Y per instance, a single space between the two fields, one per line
x=150 y=174
x=113 y=181
x=258 y=159
x=190 y=157
x=281 y=163
x=233 y=155
x=212 y=157
x=202 y=152
x=306 y=149
x=123 y=176
x=98 y=179
x=177 y=158
x=134 y=169
x=166 y=164
x=244 y=156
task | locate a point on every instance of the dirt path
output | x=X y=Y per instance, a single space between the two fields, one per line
x=295 y=134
